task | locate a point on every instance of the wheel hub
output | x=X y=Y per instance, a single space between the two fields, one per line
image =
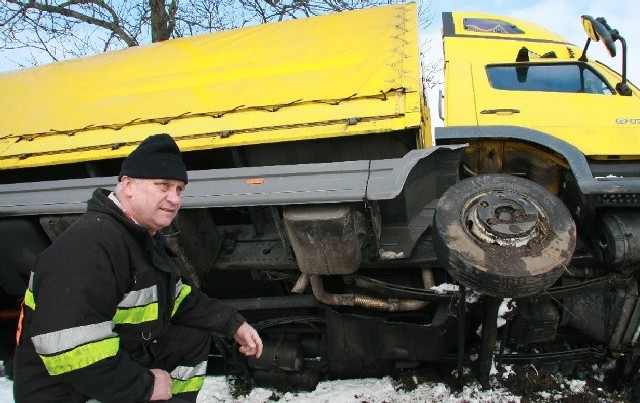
x=503 y=217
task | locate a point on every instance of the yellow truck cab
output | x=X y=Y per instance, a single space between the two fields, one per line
x=514 y=73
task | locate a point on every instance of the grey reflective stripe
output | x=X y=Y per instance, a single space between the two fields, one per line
x=178 y=287
x=186 y=373
x=142 y=297
x=62 y=340
x=31 y=281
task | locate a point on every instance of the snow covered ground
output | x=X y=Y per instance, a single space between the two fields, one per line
x=545 y=388
x=217 y=389
x=355 y=391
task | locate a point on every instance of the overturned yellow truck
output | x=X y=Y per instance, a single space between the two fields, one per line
x=321 y=204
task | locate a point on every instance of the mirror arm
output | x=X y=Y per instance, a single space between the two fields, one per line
x=624 y=57
x=622 y=87
x=583 y=57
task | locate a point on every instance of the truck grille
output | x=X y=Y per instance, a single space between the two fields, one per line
x=617 y=199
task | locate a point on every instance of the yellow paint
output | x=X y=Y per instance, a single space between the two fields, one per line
x=285 y=81
x=600 y=126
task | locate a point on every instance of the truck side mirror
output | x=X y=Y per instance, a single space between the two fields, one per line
x=596 y=30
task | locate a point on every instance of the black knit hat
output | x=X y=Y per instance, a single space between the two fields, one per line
x=157 y=157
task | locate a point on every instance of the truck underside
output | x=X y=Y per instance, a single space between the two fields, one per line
x=339 y=264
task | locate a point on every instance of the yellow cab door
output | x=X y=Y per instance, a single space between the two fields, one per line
x=568 y=100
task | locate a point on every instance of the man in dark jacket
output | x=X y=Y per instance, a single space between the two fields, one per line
x=106 y=316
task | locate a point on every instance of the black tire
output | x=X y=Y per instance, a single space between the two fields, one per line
x=503 y=236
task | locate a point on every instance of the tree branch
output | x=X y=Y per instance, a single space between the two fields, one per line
x=67 y=12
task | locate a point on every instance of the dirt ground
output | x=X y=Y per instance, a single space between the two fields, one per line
x=584 y=384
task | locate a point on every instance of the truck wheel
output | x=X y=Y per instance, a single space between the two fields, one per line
x=502 y=235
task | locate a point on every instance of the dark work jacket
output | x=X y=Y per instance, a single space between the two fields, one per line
x=91 y=289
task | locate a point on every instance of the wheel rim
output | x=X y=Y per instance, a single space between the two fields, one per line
x=502 y=217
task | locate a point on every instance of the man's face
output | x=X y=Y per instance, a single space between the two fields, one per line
x=153 y=203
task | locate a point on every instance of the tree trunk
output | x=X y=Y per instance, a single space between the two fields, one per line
x=160 y=30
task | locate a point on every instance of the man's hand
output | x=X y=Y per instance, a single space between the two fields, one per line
x=161 y=385
x=249 y=340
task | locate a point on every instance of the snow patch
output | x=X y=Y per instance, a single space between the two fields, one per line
x=444 y=288
x=390 y=255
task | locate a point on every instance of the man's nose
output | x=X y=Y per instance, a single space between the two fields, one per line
x=174 y=196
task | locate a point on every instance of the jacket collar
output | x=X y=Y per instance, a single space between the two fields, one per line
x=101 y=202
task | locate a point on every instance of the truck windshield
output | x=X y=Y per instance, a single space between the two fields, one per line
x=573 y=78
x=488 y=25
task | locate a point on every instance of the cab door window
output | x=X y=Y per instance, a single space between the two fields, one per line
x=571 y=78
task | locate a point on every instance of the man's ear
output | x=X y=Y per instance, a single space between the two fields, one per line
x=127 y=184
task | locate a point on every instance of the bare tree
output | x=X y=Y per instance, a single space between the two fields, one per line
x=72 y=28
x=50 y=30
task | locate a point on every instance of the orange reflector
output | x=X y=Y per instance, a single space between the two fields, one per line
x=255 y=181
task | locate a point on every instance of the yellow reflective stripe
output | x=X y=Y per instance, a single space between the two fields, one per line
x=191 y=385
x=188 y=379
x=136 y=315
x=82 y=356
x=138 y=306
x=182 y=290
x=29 y=300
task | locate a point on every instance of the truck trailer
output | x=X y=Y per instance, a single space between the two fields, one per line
x=358 y=239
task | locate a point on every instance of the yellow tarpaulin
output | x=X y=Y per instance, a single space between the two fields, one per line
x=341 y=74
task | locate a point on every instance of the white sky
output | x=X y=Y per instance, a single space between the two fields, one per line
x=560 y=16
